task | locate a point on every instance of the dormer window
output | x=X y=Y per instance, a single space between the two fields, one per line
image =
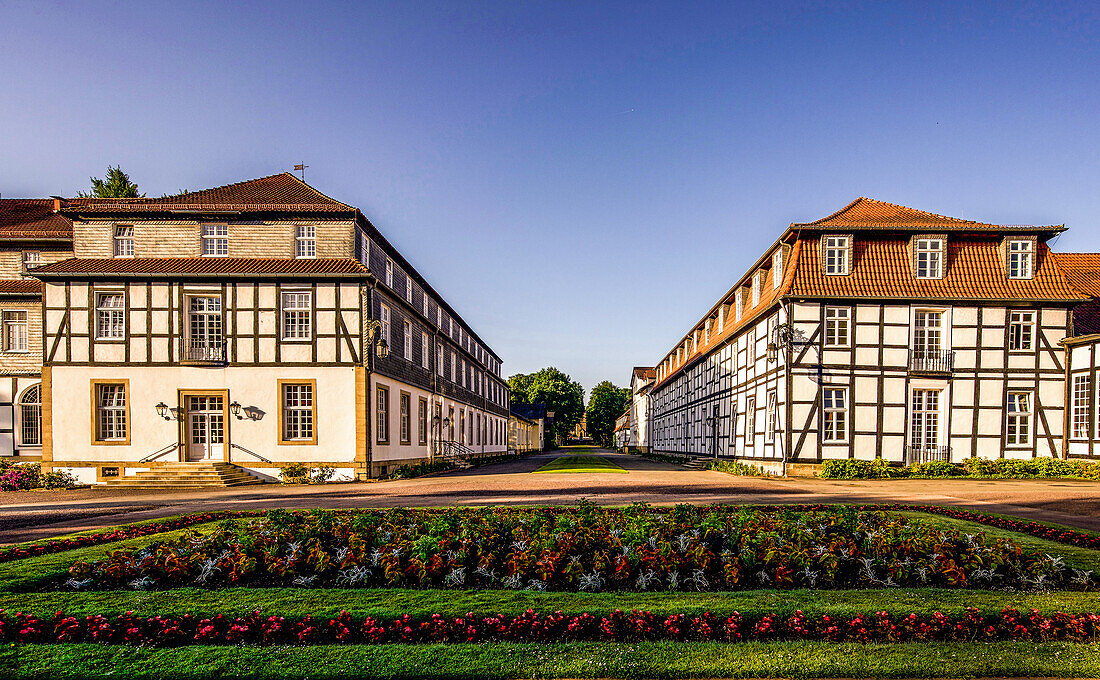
x=389 y=272
x=756 y=286
x=928 y=258
x=305 y=242
x=737 y=305
x=32 y=259
x=777 y=268
x=124 y=241
x=836 y=255
x=1021 y=259
x=215 y=240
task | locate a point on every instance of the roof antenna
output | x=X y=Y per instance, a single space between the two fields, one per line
x=301 y=167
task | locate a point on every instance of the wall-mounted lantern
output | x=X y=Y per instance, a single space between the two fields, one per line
x=162 y=411
x=235 y=409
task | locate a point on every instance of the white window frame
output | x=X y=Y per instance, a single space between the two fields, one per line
x=454 y=367
x=425 y=354
x=408 y=289
x=834 y=415
x=299 y=411
x=838 y=327
x=1021 y=259
x=750 y=422
x=110 y=319
x=737 y=300
x=124 y=241
x=215 y=240
x=389 y=273
x=305 y=242
x=835 y=254
x=928 y=256
x=777 y=269
x=296 y=307
x=30 y=416
x=111 y=412
x=15 y=330
x=1080 y=416
x=756 y=286
x=408 y=348
x=1021 y=330
x=32 y=259
x=384 y=320
x=771 y=414
x=1018 y=421
x=439 y=358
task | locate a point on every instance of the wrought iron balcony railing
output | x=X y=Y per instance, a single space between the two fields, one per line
x=931 y=361
x=915 y=453
x=204 y=351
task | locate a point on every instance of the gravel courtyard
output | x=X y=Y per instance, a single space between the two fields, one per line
x=33 y=515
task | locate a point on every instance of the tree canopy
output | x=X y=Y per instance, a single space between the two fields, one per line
x=115 y=184
x=605 y=406
x=561 y=394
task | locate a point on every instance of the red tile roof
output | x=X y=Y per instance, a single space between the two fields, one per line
x=21 y=287
x=881 y=268
x=277 y=193
x=200 y=266
x=1082 y=272
x=867 y=213
x=32 y=218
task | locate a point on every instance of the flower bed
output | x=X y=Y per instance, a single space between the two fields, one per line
x=1058 y=535
x=635 y=626
x=583 y=549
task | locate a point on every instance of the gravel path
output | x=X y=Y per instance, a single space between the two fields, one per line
x=33 y=515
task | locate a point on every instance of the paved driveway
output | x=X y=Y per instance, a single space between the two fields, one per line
x=40 y=514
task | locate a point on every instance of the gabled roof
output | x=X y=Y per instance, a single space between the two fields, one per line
x=276 y=193
x=33 y=218
x=867 y=213
x=645 y=372
x=529 y=411
x=166 y=267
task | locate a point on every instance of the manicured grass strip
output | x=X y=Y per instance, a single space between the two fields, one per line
x=567 y=660
x=1082 y=558
x=586 y=463
x=32 y=572
x=393 y=603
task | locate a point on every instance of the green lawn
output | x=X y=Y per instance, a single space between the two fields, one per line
x=564 y=660
x=581 y=463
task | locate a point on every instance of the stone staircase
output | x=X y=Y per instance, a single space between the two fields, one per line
x=696 y=463
x=200 y=475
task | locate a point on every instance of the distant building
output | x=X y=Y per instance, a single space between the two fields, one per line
x=580 y=431
x=527 y=428
x=641 y=381
x=622 y=434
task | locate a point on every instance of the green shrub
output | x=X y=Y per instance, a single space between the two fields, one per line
x=734 y=467
x=937 y=469
x=847 y=469
x=294 y=473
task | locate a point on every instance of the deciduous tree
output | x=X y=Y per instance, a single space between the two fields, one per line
x=561 y=394
x=605 y=406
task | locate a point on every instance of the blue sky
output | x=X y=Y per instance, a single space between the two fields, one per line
x=580 y=180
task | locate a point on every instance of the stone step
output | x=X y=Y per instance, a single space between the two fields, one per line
x=187 y=476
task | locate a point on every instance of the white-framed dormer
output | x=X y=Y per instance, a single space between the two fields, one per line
x=777 y=268
x=1020 y=257
x=836 y=254
x=123 y=241
x=929 y=256
x=215 y=240
x=738 y=305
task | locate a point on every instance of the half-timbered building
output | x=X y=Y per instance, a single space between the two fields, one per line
x=32 y=232
x=878 y=331
x=1082 y=426
x=236 y=325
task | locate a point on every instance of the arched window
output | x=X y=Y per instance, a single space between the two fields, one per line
x=30 y=412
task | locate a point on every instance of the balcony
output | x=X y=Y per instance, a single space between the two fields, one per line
x=931 y=362
x=204 y=352
x=924 y=454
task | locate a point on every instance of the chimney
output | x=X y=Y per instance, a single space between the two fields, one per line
x=59 y=203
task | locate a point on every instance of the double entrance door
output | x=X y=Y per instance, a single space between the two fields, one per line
x=204 y=426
